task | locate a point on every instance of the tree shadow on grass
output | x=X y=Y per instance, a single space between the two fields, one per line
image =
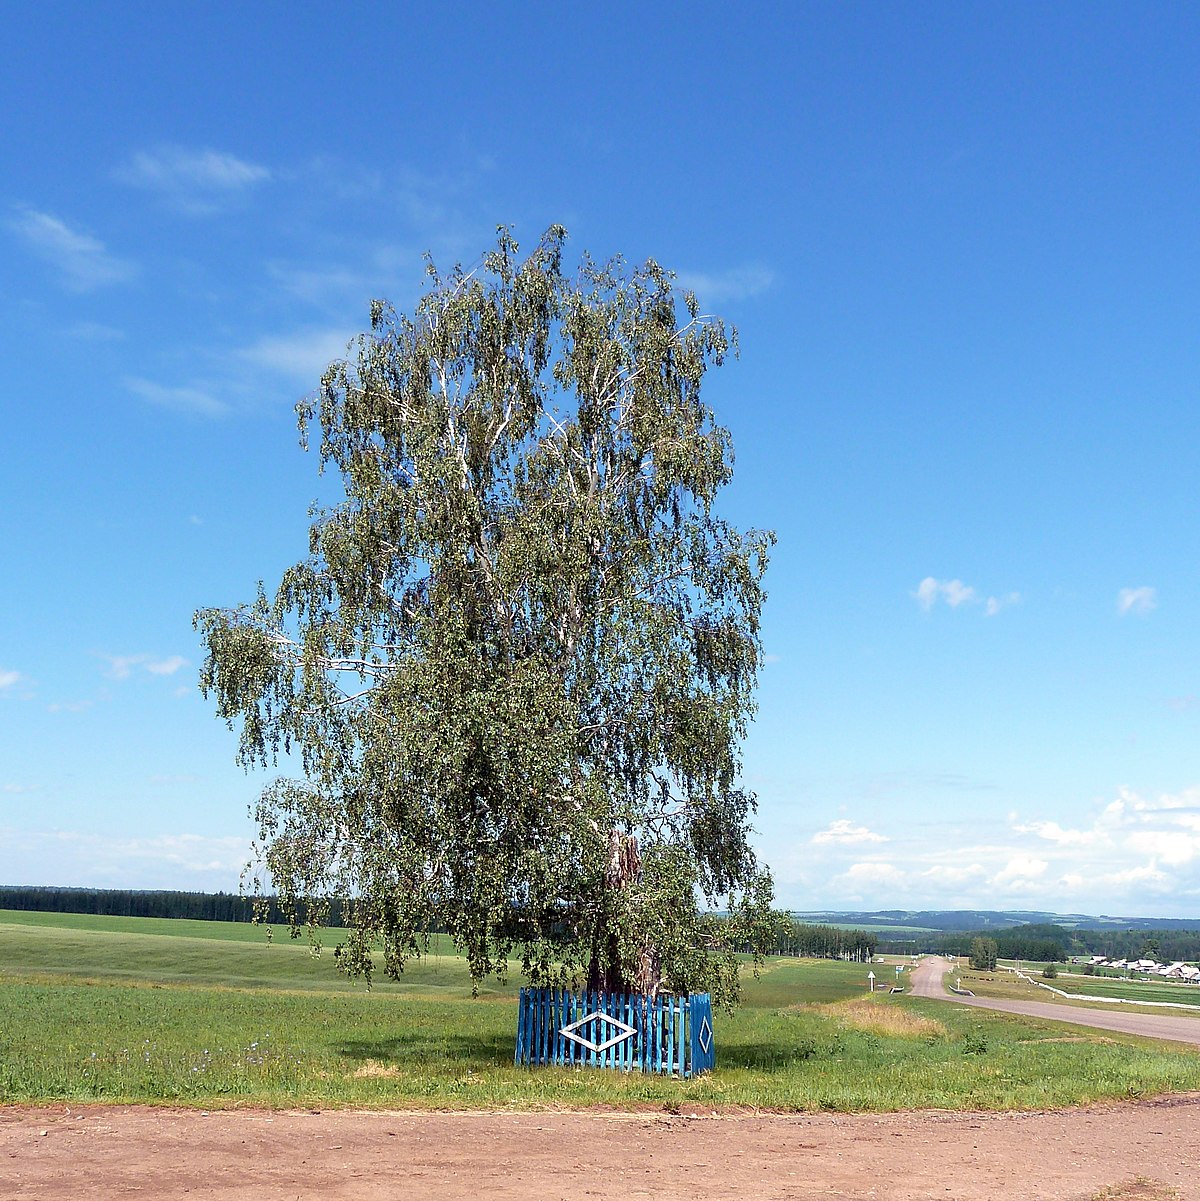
x=768 y=1056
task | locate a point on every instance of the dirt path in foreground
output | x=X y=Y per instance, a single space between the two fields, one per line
x=106 y=1152
x=927 y=981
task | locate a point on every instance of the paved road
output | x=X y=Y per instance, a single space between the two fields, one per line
x=927 y=982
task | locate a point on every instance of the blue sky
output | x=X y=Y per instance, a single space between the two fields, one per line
x=960 y=244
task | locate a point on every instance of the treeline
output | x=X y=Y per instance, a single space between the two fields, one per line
x=124 y=902
x=1163 y=945
x=824 y=942
x=1050 y=943
x=1042 y=941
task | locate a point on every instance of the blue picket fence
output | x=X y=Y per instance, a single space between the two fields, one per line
x=665 y=1034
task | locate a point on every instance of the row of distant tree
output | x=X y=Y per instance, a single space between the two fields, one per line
x=125 y=902
x=824 y=942
x=793 y=938
x=1050 y=943
x=1042 y=942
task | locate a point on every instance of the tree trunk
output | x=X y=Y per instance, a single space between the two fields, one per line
x=623 y=871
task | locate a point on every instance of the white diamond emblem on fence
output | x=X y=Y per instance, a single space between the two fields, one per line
x=705 y=1036
x=624 y=1031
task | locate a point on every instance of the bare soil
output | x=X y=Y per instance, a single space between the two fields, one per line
x=1148 y=1151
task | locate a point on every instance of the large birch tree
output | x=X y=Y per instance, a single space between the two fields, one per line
x=520 y=656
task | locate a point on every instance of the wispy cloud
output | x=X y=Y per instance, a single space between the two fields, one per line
x=1053 y=832
x=873 y=874
x=994 y=604
x=106 y=861
x=955 y=594
x=1019 y=872
x=83 y=261
x=165 y=667
x=196 y=182
x=182 y=399
x=719 y=287
x=95 y=331
x=301 y=356
x=1136 y=601
x=843 y=831
x=8 y=678
x=121 y=667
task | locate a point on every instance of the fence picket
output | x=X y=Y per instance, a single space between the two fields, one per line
x=668 y=1031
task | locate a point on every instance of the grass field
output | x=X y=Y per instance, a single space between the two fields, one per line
x=1006 y=984
x=127 y=1010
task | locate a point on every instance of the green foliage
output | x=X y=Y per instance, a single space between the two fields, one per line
x=823 y=942
x=1040 y=940
x=126 y=902
x=521 y=655
x=975 y=1043
x=1050 y=971
x=983 y=953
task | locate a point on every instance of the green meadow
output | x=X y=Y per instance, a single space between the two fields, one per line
x=211 y=1014
x=1006 y=984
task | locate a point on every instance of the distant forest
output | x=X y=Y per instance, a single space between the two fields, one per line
x=1049 y=943
x=794 y=938
x=124 y=902
x=1043 y=942
x=825 y=942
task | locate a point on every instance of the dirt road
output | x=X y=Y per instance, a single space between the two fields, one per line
x=167 y=1155
x=927 y=982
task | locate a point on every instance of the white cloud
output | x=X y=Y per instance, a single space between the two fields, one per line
x=1145 y=874
x=181 y=399
x=862 y=880
x=1053 y=832
x=1170 y=846
x=1133 y=853
x=843 y=831
x=957 y=593
x=926 y=593
x=950 y=876
x=953 y=592
x=737 y=283
x=301 y=356
x=54 y=857
x=121 y=667
x=1136 y=601
x=83 y=261
x=8 y=678
x=195 y=182
x=996 y=603
x=166 y=667
x=1019 y=870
